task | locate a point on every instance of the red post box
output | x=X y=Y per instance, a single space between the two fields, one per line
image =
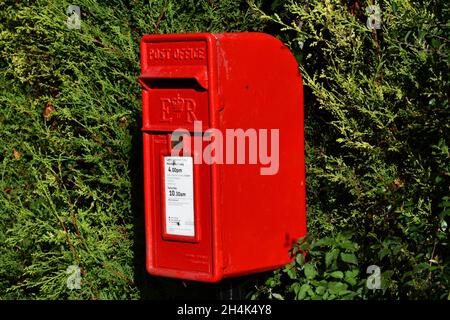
x=224 y=176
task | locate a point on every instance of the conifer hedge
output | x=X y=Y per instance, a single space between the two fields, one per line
x=377 y=135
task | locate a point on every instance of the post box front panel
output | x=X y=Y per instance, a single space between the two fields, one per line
x=179 y=211
x=175 y=76
x=174 y=108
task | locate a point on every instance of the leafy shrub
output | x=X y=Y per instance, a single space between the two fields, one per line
x=377 y=133
x=323 y=269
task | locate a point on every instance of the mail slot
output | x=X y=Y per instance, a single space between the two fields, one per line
x=223 y=145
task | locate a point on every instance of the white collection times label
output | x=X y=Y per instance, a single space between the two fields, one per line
x=179 y=196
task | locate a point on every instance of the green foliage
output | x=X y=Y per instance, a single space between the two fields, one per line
x=70 y=153
x=377 y=134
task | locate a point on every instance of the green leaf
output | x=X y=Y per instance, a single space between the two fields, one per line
x=382 y=253
x=337 y=287
x=330 y=257
x=291 y=272
x=350 y=276
x=295 y=287
x=277 y=296
x=303 y=290
x=310 y=271
x=300 y=259
x=337 y=274
x=349 y=245
x=435 y=43
x=320 y=290
x=349 y=258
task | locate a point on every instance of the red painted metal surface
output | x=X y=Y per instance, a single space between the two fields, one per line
x=245 y=222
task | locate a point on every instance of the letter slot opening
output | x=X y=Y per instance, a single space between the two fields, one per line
x=169 y=77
